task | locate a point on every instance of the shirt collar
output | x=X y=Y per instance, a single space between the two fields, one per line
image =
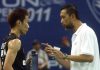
x=79 y=29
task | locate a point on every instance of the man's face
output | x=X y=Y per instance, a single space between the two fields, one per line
x=65 y=19
x=37 y=46
x=24 y=25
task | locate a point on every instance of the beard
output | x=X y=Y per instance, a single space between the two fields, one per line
x=69 y=26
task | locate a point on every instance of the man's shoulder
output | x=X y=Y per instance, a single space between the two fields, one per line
x=30 y=51
x=42 y=51
x=14 y=44
x=87 y=29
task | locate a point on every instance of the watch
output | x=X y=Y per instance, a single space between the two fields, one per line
x=66 y=56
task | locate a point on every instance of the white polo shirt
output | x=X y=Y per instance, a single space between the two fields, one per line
x=84 y=41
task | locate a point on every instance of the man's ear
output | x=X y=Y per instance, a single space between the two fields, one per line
x=72 y=16
x=18 y=22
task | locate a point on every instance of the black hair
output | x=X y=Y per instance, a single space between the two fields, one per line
x=35 y=42
x=16 y=14
x=71 y=9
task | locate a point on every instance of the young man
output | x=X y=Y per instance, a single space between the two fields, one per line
x=42 y=56
x=85 y=49
x=12 y=55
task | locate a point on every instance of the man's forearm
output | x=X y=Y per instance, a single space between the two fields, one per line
x=80 y=58
x=8 y=67
x=64 y=63
x=45 y=64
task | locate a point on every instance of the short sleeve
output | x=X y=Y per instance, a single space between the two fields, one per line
x=87 y=43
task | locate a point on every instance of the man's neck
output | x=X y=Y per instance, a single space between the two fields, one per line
x=77 y=24
x=15 y=31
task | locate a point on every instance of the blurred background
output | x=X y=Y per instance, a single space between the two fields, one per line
x=45 y=23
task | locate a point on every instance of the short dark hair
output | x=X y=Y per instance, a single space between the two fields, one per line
x=71 y=9
x=17 y=14
x=35 y=42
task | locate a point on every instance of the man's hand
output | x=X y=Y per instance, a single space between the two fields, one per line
x=49 y=49
x=58 y=54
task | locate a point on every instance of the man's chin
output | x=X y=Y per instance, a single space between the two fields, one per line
x=23 y=33
x=69 y=27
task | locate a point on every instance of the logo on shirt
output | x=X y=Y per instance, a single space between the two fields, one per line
x=94 y=6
